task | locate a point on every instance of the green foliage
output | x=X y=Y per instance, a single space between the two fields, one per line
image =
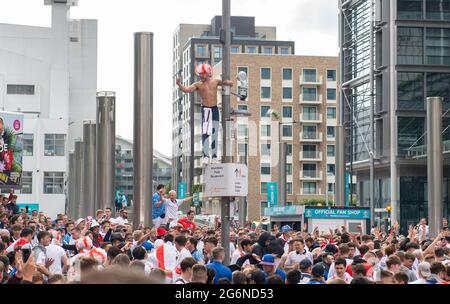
x=196 y=188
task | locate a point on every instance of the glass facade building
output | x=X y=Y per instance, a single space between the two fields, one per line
x=411 y=57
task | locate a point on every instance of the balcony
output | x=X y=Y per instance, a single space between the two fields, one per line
x=311 y=117
x=312 y=81
x=311 y=156
x=317 y=191
x=311 y=136
x=310 y=175
x=311 y=99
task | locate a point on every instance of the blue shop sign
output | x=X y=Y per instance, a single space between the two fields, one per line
x=337 y=213
x=277 y=211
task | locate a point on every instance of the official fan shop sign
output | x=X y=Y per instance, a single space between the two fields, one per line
x=226 y=180
x=11 y=149
x=337 y=213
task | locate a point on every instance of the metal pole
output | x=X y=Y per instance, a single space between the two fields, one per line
x=372 y=119
x=226 y=121
x=434 y=164
x=89 y=168
x=340 y=139
x=143 y=129
x=282 y=197
x=243 y=200
x=106 y=149
x=71 y=186
x=78 y=197
x=395 y=213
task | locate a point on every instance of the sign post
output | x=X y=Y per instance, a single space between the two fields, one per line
x=272 y=194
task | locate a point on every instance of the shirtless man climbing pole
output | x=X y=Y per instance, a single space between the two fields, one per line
x=207 y=88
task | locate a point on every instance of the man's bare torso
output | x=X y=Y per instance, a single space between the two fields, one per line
x=208 y=92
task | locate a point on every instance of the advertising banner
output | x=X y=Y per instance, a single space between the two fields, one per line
x=11 y=150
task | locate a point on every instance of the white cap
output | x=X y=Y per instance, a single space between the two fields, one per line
x=423 y=269
x=78 y=222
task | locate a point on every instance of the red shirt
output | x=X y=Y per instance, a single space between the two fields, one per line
x=187 y=224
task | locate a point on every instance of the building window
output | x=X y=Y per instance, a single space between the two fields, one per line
x=289 y=150
x=242 y=150
x=410 y=91
x=264 y=205
x=217 y=54
x=243 y=107
x=263 y=188
x=410 y=133
x=285 y=51
x=53 y=182
x=201 y=51
x=309 y=188
x=251 y=50
x=438 y=9
x=331 y=169
x=265 y=130
x=331 y=75
x=309 y=132
x=266 y=73
x=287 y=93
x=437 y=85
x=331 y=94
x=287 y=74
x=410 y=45
x=243 y=69
x=289 y=188
x=309 y=75
x=265 y=169
x=288 y=169
x=242 y=131
x=330 y=132
x=235 y=49
x=437 y=46
x=54 y=144
x=310 y=94
x=19 y=89
x=330 y=188
x=331 y=113
x=28 y=142
x=266 y=92
x=265 y=150
x=287 y=131
x=310 y=113
x=27 y=183
x=287 y=112
x=268 y=50
x=265 y=111
x=310 y=151
x=410 y=9
x=331 y=150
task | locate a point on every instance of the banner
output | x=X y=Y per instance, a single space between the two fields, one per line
x=181 y=190
x=11 y=149
x=272 y=194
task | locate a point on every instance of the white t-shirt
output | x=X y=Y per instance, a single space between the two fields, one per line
x=56 y=253
x=172 y=209
x=347 y=278
x=120 y=221
x=293 y=257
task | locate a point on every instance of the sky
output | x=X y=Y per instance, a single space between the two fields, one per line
x=312 y=24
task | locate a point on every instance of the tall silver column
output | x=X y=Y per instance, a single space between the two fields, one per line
x=434 y=164
x=79 y=166
x=105 y=149
x=71 y=187
x=282 y=197
x=226 y=134
x=89 y=198
x=143 y=129
x=340 y=138
x=243 y=200
x=372 y=116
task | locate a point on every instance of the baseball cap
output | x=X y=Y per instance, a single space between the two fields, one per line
x=424 y=269
x=318 y=270
x=161 y=232
x=79 y=221
x=305 y=264
x=286 y=228
x=268 y=259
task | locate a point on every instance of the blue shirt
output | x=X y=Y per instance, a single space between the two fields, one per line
x=157 y=212
x=279 y=272
x=315 y=282
x=221 y=270
x=197 y=255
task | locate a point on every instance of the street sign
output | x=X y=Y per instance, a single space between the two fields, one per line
x=226 y=180
x=181 y=190
x=272 y=194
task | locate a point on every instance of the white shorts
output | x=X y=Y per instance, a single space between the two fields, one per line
x=158 y=222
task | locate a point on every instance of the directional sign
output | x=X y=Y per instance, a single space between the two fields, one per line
x=272 y=194
x=226 y=180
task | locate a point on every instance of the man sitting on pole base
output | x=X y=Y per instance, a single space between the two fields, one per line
x=207 y=88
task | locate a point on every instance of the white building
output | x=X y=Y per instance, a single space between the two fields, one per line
x=49 y=74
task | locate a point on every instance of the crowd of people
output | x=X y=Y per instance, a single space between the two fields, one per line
x=35 y=249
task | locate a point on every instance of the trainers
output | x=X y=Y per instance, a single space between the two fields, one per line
x=205 y=161
x=214 y=160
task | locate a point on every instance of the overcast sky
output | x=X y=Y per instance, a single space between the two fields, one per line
x=312 y=24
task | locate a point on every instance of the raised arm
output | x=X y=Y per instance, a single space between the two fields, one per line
x=185 y=89
x=225 y=83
